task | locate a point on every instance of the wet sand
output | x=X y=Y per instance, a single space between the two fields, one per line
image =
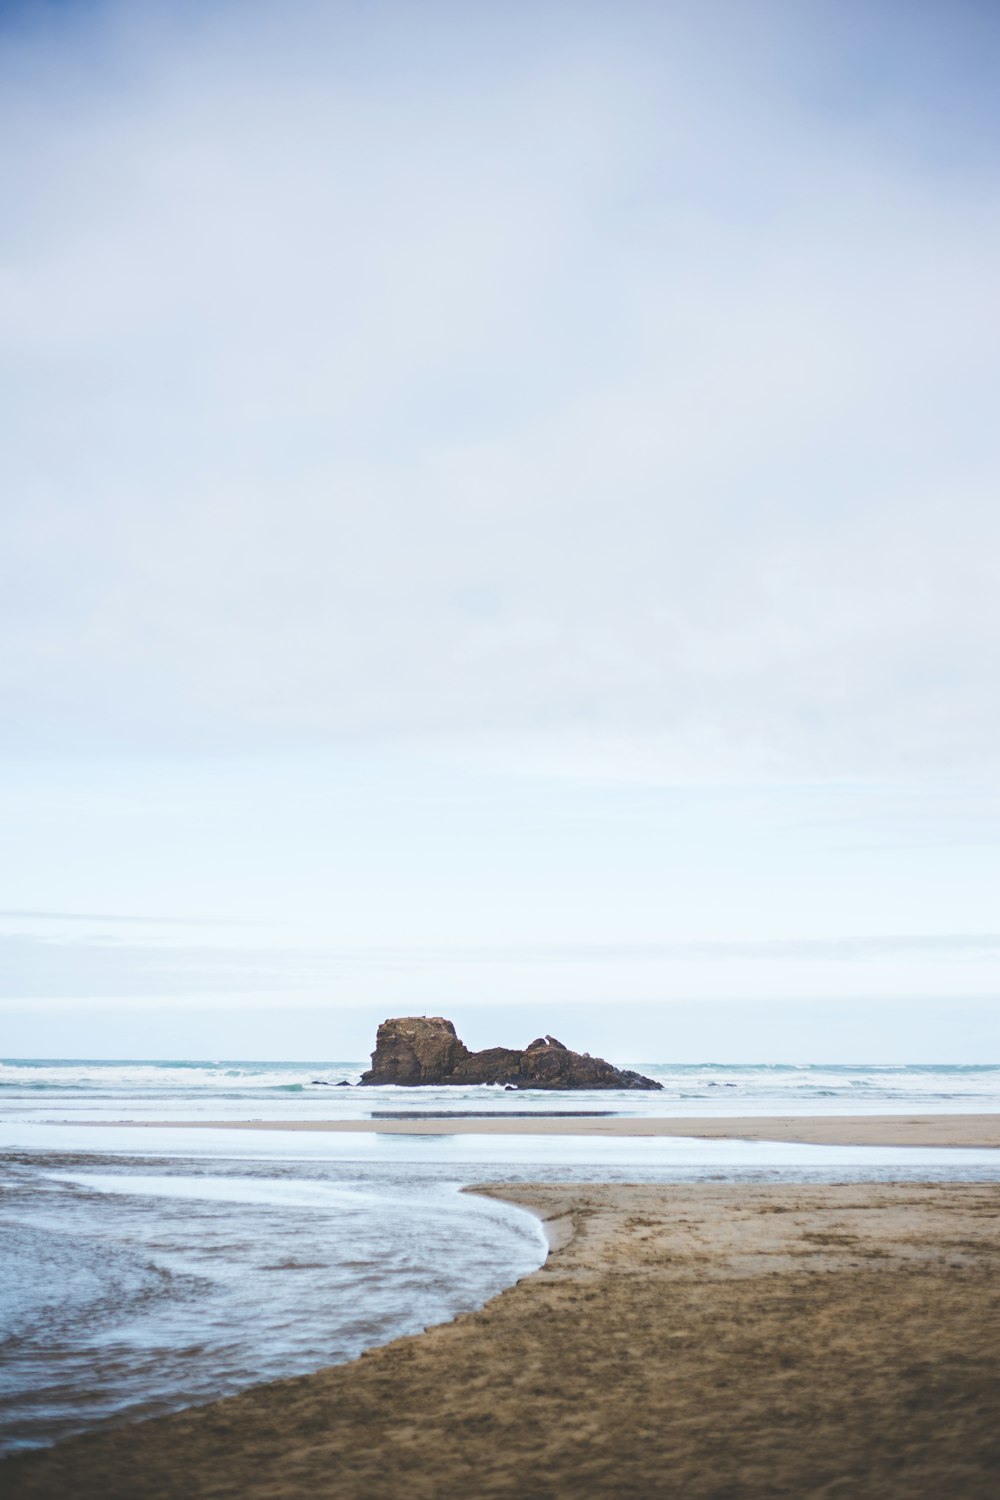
x=973 y=1130
x=707 y=1342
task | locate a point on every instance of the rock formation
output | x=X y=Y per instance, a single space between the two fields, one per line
x=415 y=1050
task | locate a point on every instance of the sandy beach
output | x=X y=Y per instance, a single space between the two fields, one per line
x=960 y=1130
x=717 y=1341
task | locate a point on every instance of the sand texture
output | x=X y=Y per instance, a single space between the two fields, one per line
x=973 y=1130
x=716 y=1341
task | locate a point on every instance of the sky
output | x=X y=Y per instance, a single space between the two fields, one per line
x=499 y=517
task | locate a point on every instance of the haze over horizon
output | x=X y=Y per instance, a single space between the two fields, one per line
x=499 y=519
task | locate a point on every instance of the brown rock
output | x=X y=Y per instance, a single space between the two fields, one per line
x=416 y=1050
x=413 y=1050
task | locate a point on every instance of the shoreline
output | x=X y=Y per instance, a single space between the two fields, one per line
x=707 y=1340
x=970 y=1131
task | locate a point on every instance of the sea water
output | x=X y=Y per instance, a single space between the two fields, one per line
x=144 y=1268
x=46 y=1090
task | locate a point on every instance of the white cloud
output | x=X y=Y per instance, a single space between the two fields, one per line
x=498 y=505
x=607 y=388
x=109 y=967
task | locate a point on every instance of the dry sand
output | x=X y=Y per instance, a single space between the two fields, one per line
x=702 y=1343
x=973 y=1130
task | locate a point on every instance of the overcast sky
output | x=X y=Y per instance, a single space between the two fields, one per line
x=500 y=516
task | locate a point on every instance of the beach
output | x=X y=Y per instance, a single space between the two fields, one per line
x=969 y=1131
x=795 y=1298
x=706 y=1340
x=499 y=787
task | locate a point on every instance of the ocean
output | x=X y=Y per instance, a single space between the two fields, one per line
x=145 y=1268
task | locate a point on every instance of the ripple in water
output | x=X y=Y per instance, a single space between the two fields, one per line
x=129 y=1292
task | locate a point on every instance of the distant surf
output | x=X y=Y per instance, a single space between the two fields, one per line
x=49 y=1089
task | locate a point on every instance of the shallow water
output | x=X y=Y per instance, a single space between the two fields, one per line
x=150 y=1284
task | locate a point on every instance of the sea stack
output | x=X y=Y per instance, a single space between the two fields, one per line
x=425 y=1050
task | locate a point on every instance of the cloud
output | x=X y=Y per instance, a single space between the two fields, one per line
x=495 y=379
x=35 y=968
x=111 y=918
x=108 y=969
